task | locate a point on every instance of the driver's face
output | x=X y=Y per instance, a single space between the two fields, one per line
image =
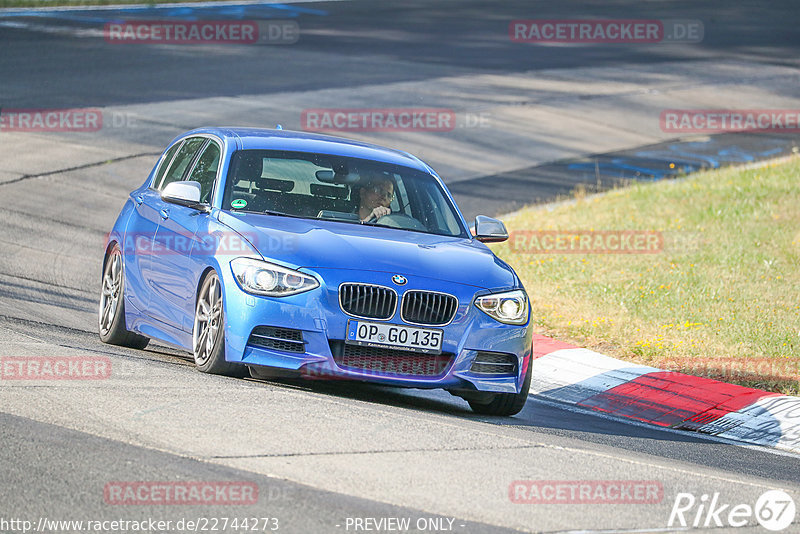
x=380 y=194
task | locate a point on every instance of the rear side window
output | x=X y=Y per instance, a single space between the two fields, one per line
x=165 y=164
x=182 y=160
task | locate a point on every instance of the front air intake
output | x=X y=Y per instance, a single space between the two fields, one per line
x=494 y=363
x=390 y=362
x=270 y=337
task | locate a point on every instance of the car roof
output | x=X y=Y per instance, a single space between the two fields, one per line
x=269 y=139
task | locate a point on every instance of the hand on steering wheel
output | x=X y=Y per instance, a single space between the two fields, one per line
x=377 y=213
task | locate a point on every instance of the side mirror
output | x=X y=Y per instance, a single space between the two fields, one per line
x=183 y=193
x=488 y=230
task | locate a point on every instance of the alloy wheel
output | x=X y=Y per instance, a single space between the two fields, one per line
x=207 y=320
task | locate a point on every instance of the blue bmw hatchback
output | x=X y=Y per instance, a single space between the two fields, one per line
x=284 y=253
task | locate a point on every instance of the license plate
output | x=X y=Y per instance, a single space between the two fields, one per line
x=386 y=335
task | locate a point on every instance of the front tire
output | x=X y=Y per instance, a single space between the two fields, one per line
x=208 y=335
x=111 y=319
x=505 y=404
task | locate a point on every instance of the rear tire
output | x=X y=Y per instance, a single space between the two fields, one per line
x=111 y=318
x=505 y=404
x=208 y=335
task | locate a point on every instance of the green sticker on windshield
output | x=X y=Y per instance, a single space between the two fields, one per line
x=239 y=203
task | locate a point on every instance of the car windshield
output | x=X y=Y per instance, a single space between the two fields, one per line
x=337 y=188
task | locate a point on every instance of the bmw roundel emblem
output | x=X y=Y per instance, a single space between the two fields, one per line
x=400 y=280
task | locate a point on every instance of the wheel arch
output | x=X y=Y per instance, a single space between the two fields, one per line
x=202 y=279
x=109 y=247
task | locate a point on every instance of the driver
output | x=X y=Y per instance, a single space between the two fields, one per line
x=375 y=197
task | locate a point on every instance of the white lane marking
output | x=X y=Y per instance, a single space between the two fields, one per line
x=52 y=28
x=134 y=7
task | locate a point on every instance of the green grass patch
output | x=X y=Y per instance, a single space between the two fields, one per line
x=722 y=297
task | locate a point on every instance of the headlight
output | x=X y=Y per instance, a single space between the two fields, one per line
x=510 y=307
x=263 y=278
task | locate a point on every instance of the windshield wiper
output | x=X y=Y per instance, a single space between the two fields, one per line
x=271 y=212
x=280 y=214
x=381 y=225
x=339 y=216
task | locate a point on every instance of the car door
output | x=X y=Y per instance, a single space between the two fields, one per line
x=174 y=269
x=139 y=235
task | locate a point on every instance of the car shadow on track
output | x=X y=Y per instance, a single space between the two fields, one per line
x=538 y=415
x=437 y=401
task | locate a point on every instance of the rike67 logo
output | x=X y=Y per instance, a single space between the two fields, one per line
x=774 y=510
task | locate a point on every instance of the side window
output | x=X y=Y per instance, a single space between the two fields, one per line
x=164 y=164
x=182 y=160
x=205 y=171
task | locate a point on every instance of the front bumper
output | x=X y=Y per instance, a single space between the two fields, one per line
x=323 y=324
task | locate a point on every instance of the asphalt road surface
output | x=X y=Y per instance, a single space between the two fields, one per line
x=342 y=457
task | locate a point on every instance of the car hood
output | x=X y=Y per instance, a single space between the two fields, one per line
x=313 y=243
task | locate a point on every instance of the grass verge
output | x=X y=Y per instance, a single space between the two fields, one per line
x=719 y=297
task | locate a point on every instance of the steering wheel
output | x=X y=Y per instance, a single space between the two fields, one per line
x=398 y=220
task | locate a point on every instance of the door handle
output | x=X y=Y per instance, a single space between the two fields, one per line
x=138 y=199
x=165 y=214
